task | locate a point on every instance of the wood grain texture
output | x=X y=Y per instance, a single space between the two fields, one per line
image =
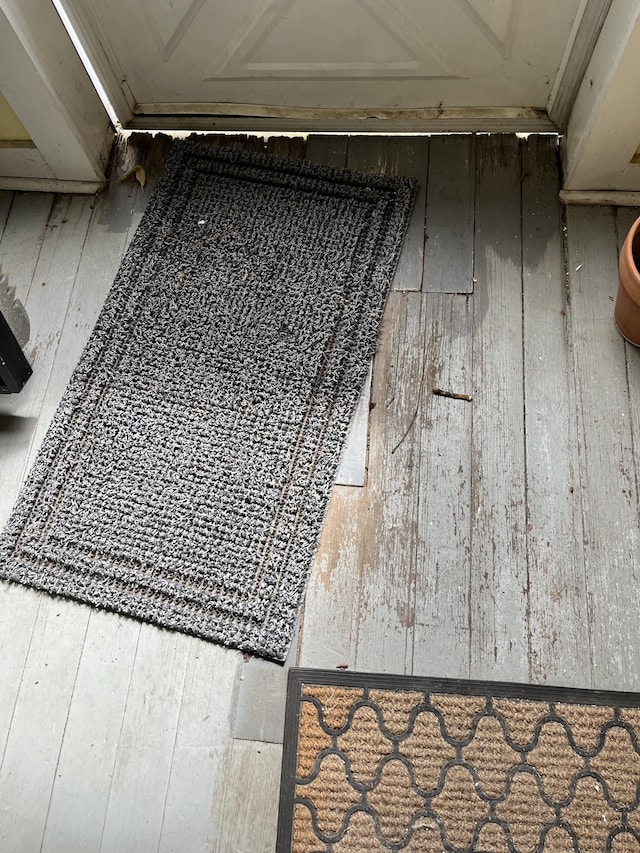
x=328 y=150
x=88 y=752
x=38 y=724
x=625 y=217
x=361 y=589
x=203 y=744
x=410 y=159
x=22 y=238
x=388 y=523
x=607 y=470
x=292 y=147
x=245 y=806
x=352 y=470
x=6 y=201
x=329 y=619
x=140 y=776
x=448 y=259
x=441 y=638
x=499 y=594
x=558 y=626
x=407 y=157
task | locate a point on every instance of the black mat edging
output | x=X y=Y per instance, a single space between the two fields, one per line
x=300 y=676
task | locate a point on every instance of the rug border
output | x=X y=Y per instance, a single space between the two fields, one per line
x=384 y=681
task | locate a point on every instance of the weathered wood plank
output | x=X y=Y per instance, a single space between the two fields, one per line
x=607 y=472
x=499 y=599
x=558 y=628
x=18 y=613
x=247 y=812
x=388 y=520
x=25 y=230
x=140 y=778
x=441 y=627
x=624 y=219
x=352 y=470
x=203 y=744
x=329 y=620
x=329 y=150
x=407 y=157
x=54 y=249
x=22 y=238
x=448 y=260
x=91 y=733
x=262 y=692
x=6 y=201
x=37 y=726
x=332 y=151
x=368 y=154
x=292 y=147
x=361 y=587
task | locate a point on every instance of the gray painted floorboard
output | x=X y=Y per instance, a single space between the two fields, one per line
x=494 y=537
x=448 y=261
x=499 y=587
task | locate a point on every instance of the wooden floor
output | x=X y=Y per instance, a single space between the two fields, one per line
x=497 y=537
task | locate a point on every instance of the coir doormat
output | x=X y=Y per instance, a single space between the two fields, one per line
x=380 y=762
x=186 y=473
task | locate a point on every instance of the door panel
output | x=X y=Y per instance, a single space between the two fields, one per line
x=187 y=55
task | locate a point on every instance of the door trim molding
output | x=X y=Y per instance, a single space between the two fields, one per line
x=50 y=185
x=615 y=198
x=49 y=91
x=576 y=61
x=604 y=128
x=88 y=32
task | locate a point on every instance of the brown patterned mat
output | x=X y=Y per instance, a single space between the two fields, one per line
x=379 y=763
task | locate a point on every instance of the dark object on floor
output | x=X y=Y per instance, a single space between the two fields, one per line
x=383 y=762
x=185 y=476
x=14 y=334
x=14 y=367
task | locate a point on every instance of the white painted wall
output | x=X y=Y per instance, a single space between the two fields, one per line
x=604 y=128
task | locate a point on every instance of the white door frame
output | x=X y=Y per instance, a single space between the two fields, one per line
x=46 y=85
x=604 y=129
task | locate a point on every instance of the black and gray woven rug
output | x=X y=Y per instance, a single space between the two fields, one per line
x=186 y=473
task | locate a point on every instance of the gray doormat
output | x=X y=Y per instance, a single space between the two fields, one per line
x=186 y=474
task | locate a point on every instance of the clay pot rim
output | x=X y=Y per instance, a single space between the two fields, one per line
x=627 y=258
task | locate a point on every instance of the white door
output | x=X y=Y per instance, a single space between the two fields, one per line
x=326 y=58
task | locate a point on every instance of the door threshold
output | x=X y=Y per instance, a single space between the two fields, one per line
x=254 y=117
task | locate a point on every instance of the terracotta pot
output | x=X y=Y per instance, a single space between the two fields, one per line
x=627 y=311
